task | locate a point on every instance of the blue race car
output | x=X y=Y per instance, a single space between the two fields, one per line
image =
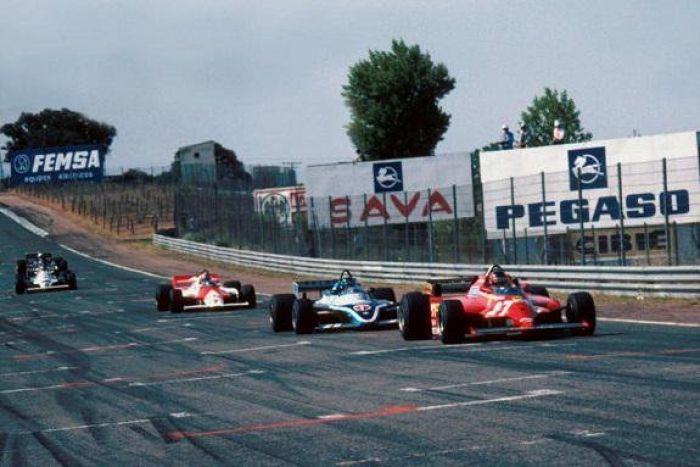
x=343 y=304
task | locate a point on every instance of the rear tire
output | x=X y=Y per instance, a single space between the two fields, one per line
x=72 y=281
x=414 y=317
x=303 y=316
x=61 y=264
x=281 y=312
x=21 y=267
x=383 y=293
x=20 y=285
x=177 y=304
x=248 y=295
x=163 y=297
x=581 y=309
x=451 y=322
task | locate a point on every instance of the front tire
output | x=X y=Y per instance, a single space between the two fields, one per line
x=163 y=297
x=233 y=285
x=248 y=295
x=20 y=286
x=72 y=281
x=303 y=316
x=580 y=308
x=414 y=317
x=21 y=267
x=281 y=312
x=451 y=322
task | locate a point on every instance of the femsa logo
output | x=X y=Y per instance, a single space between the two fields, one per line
x=21 y=164
x=69 y=160
x=388 y=176
x=589 y=164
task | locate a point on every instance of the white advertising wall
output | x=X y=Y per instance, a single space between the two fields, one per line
x=545 y=185
x=393 y=191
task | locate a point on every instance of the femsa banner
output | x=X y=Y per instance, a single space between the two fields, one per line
x=70 y=163
x=599 y=183
x=394 y=191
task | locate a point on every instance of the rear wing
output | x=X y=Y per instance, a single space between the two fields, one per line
x=311 y=286
x=437 y=287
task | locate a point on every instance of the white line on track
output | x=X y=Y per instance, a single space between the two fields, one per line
x=491 y=381
x=475 y=347
x=112 y=424
x=199 y=378
x=109 y=263
x=253 y=349
x=217 y=316
x=34 y=372
x=654 y=323
x=528 y=395
x=158 y=328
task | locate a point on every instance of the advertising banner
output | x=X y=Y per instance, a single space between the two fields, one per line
x=64 y=164
x=598 y=183
x=394 y=191
x=284 y=202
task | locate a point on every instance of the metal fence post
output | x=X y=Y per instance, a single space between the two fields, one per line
x=582 y=238
x=527 y=253
x=646 y=243
x=622 y=215
x=544 y=218
x=430 y=229
x=366 y=222
x=595 y=248
x=664 y=206
x=455 y=229
x=330 y=218
x=347 y=229
x=385 y=240
x=512 y=206
x=316 y=232
x=484 y=240
x=407 y=250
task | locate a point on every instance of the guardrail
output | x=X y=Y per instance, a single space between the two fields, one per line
x=678 y=281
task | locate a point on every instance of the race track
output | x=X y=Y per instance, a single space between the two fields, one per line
x=98 y=377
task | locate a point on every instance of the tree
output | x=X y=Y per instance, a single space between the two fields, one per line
x=55 y=128
x=545 y=109
x=393 y=100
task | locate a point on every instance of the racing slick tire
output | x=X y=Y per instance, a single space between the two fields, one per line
x=383 y=293
x=303 y=316
x=233 y=285
x=20 y=285
x=248 y=295
x=177 y=303
x=581 y=309
x=21 y=267
x=281 y=312
x=163 y=297
x=451 y=322
x=61 y=264
x=71 y=280
x=537 y=290
x=414 y=317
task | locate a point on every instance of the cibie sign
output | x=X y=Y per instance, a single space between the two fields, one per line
x=70 y=163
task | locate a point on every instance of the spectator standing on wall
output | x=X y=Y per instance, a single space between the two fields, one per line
x=557 y=133
x=507 y=138
x=523 y=136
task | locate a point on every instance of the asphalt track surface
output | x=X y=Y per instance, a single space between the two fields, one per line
x=98 y=377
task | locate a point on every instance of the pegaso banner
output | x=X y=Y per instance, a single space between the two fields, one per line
x=599 y=184
x=419 y=189
x=46 y=165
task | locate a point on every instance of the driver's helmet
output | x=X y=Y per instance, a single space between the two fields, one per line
x=499 y=278
x=338 y=287
x=44 y=260
x=204 y=278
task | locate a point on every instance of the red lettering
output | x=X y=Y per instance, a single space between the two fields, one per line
x=436 y=199
x=340 y=210
x=374 y=208
x=406 y=209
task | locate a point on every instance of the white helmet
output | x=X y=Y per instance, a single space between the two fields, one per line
x=504 y=127
x=557 y=123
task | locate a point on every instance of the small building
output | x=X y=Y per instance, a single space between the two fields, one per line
x=210 y=163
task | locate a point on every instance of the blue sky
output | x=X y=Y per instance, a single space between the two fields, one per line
x=264 y=77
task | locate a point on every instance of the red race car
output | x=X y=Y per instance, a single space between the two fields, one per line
x=493 y=303
x=203 y=291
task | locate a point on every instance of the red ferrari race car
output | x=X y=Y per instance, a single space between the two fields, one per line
x=493 y=303
x=203 y=291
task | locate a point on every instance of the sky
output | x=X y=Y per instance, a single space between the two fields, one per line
x=264 y=78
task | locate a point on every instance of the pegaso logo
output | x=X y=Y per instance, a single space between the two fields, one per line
x=590 y=163
x=21 y=164
x=388 y=177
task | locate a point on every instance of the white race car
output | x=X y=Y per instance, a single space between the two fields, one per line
x=41 y=272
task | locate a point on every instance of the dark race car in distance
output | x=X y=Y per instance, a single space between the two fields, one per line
x=493 y=303
x=42 y=272
x=342 y=304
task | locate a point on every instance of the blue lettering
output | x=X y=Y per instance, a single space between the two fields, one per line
x=640 y=205
x=677 y=202
x=536 y=213
x=607 y=205
x=570 y=211
x=505 y=213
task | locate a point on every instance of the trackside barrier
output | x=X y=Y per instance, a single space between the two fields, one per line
x=678 y=281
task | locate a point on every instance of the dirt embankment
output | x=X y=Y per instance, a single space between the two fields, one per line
x=79 y=233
